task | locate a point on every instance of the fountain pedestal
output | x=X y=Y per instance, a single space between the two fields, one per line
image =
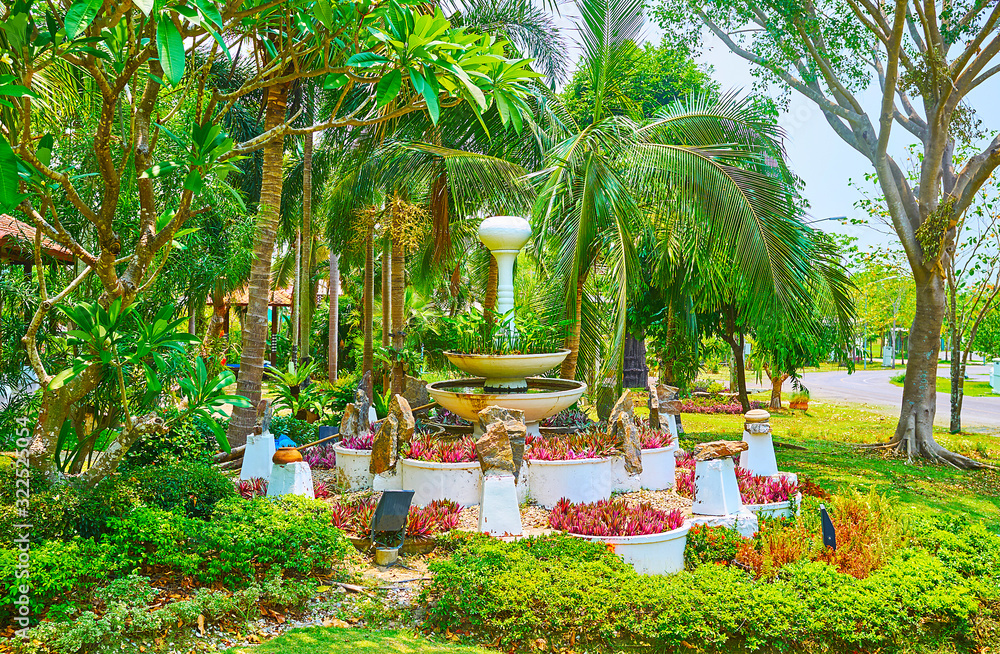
x=499 y=514
x=290 y=479
x=257 y=456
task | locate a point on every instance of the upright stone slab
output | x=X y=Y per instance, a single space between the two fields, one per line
x=653 y=405
x=513 y=420
x=759 y=455
x=628 y=440
x=415 y=391
x=350 y=423
x=623 y=405
x=499 y=513
x=395 y=431
x=290 y=479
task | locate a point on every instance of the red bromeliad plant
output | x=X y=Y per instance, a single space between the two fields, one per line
x=360 y=442
x=591 y=444
x=251 y=488
x=613 y=518
x=355 y=516
x=654 y=438
x=320 y=491
x=764 y=490
x=427 y=448
x=321 y=457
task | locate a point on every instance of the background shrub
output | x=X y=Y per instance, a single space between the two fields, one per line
x=189 y=488
x=185 y=442
x=299 y=431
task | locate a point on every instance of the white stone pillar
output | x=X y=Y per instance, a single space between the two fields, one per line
x=716 y=491
x=758 y=458
x=499 y=513
x=290 y=479
x=257 y=456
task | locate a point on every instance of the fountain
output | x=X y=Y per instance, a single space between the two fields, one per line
x=506 y=380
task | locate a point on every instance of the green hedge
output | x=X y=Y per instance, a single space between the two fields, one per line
x=578 y=595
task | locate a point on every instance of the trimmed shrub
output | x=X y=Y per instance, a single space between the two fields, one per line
x=190 y=488
x=185 y=442
x=245 y=540
x=586 y=599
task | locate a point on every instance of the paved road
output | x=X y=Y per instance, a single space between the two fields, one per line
x=873 y=387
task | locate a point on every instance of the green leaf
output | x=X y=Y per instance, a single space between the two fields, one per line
x=334 y=81
x=366 y=60
x=80 y=16
x=145 y=6
x=324 y=13
x=388 y=88
x=210 y=11
x=417 y=80
x=44 y=152
x=160 y=169
x=10 y=196
x=170 y=46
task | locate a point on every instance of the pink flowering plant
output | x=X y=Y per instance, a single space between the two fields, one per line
x=730 y=406
x=354 y=515
x=591 y=444
x=320 y=457
x=361 y=441
x=424 y=447
x=613 y=518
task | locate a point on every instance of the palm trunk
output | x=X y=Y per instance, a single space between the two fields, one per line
x=386 y=304
x=333 y=333
x=296 y=294
x=398 y=292
x=568 y=370
x=490 y=297
x=367 y=360
x=255 y=335
x=305 y=272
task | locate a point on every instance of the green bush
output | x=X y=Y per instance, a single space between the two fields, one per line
x=192 y=488
x=112 y=497
x=128 y=619
x=591 y=601
x=62 y=575
x=53 y=507
x=185 y=442
x=245 y=540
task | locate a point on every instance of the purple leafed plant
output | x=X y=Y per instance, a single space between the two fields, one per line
x=360 y=442
x=355 y=516
x=591 y=444
x=654 y=438
x=320 y=457
x=613 y=518
x=320 y=491
x=567 y=418
x=712 y=405
x=446 y=417
x=764 y=490
x=251 y=488
x=424 y=447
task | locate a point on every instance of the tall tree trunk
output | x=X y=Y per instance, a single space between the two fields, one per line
x=255 y=335
x=305 y=272
x=777 y=381
x=386 y=305
x=333 y=334
x=398 y=292
x=367 y=361
x=915 y=431
x=296 y=294
x=957 y=369
x=220 y=308
x=568 y=369
x=490 y=297
x=736 y=345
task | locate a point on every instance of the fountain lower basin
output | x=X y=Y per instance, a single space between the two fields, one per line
x=542 y=398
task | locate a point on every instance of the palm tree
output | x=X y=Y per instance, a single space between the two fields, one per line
x=711 y=160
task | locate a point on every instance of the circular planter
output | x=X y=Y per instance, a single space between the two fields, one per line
x=579 y=480
x=655 y=554
x=786 y=509
x=353 y=468
x=430 y=481
x=659 y=468
x=505 y=371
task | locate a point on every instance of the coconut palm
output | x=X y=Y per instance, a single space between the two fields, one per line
x=710 y=160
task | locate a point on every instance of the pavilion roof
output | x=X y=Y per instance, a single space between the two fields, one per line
x=17 y=242
x=281 y=297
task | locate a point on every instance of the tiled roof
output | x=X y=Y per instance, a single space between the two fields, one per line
x=17 y=238
x=281 y=297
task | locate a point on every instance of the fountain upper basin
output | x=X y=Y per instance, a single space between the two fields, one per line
x=506 y=371
x=544 y=397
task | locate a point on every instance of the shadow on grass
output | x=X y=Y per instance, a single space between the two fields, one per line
x=336 y=640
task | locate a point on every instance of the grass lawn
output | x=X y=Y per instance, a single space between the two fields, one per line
x=972 y=388
x=336 y=640
x=830 y=432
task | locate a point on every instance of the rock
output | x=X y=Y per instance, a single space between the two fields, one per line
x=494 y=451
x=415 y=391
x=350 y=424
x=718 y=450
x=513 y=422
x=395 y=430
x=671 y=407
x=364 y=405
x=623 y=405
x=385 y=449
x=627 y=437
x=653 y=404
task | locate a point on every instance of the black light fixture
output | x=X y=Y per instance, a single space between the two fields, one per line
x=389 y=521
x=829 y=533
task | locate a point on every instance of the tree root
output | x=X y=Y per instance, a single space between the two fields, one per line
x=931 y=451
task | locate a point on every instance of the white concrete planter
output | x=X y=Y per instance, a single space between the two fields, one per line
x=461 y=482
x=622 y=481
x=787 y=509
x=655 y=554
x=579 y=480
x=353 y=469
x=659 y=468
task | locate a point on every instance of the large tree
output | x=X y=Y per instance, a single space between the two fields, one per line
x=926 y=57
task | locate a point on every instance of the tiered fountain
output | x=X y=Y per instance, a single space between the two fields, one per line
x=506 y=380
